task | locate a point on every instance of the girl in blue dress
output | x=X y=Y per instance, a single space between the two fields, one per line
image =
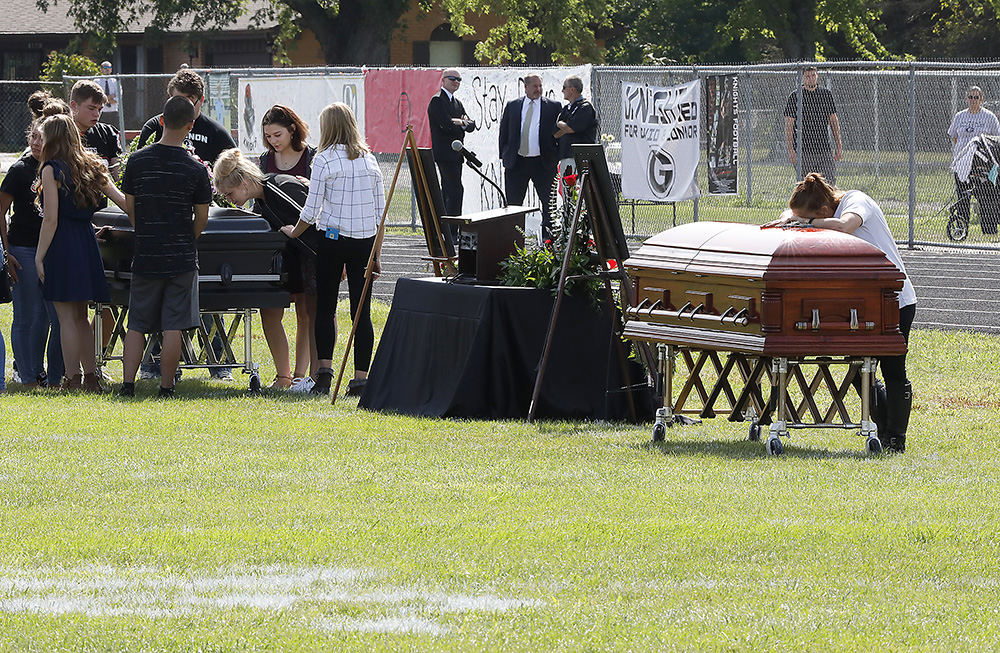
x=74 y=183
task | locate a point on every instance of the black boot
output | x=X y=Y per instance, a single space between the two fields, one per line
x=879 y=409
x=324 y=377
x=900 y=401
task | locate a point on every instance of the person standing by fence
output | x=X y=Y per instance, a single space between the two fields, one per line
x=966 y=125
x=818 y=112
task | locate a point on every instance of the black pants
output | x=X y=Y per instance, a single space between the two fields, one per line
x=331 y=259
x=452 y=191
x=894 y=367
x=989 y=206
x=964 y=192
x=818 y=158
x=541 y=175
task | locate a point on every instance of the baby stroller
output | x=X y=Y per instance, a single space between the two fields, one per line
x=978 y=165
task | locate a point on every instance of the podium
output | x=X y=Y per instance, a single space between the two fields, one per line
x=485 y=239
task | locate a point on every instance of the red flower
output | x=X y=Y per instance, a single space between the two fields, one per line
x=570 y=180
x=548 y=242
x=590 y=243
x=612 y=264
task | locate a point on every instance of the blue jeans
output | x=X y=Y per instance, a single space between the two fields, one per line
x=35 y=323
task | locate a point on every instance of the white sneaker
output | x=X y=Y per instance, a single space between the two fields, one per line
x=302 y=385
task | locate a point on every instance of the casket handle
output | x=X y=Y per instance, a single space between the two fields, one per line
x=854 y=319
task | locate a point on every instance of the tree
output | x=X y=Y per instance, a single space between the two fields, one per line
x=357 y=32
x=707 y=31
x=60 y=64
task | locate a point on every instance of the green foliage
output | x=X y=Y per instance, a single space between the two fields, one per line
x=60 y=64
x=538 y=265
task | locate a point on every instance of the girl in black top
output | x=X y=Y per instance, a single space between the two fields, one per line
x=35 y=322
x=278 y=198
x=285 y=136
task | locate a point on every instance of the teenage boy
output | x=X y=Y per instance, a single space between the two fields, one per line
x=208 y=139
x=86 y=101
x=163 y=188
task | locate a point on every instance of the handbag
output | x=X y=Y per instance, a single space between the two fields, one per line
x=5 y=296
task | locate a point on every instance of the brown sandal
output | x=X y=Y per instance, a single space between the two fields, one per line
x=92 y=384
x=71 y=383
x=281 y=382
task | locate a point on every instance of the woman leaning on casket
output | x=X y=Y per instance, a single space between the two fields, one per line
x=816 y=203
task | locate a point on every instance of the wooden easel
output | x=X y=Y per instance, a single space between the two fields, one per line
x=437 y=248
x=604 y=239
x=369 y=270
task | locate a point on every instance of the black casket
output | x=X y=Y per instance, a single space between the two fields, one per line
x=239 y=259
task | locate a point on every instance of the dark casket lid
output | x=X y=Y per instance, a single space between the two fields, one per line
x=749 y=251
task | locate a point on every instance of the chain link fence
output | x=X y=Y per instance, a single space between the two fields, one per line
x=893 y=120
x=14 y=114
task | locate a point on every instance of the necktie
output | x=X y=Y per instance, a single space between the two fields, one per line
x=526 y=127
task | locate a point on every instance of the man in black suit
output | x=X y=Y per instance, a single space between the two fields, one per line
x=449 y=122
x=528 y=146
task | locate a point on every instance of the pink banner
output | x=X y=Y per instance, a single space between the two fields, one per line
x=394 y=99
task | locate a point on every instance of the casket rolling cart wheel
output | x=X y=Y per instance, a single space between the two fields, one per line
x=754 y=435
x=874 y=445
x=774 y=446
x=255 y=384
x=957 y=229
x=659 y=432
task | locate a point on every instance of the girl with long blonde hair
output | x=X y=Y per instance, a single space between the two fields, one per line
x=73 y=185
x=278 y=198
x=345 y=203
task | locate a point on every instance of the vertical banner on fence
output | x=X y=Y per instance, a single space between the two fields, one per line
x=660 y=141
x=722 y=137
x=395 y=99
x=306 y=95
x=484 y=94
x=218 y=99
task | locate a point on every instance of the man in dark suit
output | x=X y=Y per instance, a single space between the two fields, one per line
x=528 y=146
x=449 y=122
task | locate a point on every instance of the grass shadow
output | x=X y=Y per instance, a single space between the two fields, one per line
x=742 y=450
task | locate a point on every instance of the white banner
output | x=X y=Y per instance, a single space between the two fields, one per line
x=484 y=94
x=660 y=141
x=305 y=95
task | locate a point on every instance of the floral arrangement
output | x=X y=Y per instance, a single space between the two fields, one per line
x=539 y=265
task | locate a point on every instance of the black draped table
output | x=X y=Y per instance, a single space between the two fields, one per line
x=453 y=350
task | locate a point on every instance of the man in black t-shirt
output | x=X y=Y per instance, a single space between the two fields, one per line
x=208 y=138
x=818 y=112
x=85 y=104
x=163 y=188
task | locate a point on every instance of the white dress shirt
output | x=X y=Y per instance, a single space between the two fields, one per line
x=345 y=195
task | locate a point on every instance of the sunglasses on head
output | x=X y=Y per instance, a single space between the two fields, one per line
x=453 y=78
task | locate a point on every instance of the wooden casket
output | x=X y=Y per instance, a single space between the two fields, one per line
x=767 y=292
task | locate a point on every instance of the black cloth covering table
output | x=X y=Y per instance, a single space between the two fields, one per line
x=454 y=350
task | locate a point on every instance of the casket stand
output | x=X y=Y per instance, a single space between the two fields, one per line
x=744 y=306
x=240 y=272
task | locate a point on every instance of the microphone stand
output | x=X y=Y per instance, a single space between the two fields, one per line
x=503 y=198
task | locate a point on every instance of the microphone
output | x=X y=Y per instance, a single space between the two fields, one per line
x=469 y=156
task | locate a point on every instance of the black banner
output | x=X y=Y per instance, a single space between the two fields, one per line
x=722 y=133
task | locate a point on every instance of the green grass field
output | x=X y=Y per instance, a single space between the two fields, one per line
x=220 y=521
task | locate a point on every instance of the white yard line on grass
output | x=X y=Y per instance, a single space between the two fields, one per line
x=104 y=591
